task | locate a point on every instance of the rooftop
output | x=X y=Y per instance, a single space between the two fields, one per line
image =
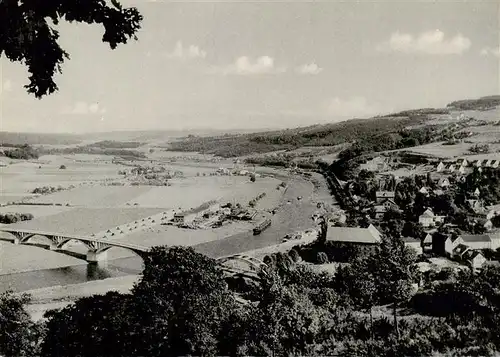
x=476 y=238
x=410 y=240
x=368 y=235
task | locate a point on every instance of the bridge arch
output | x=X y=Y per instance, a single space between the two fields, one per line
x=251 y=265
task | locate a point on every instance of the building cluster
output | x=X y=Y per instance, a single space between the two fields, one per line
x=460 y=166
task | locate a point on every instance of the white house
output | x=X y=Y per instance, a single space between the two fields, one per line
x=495 y=164
x=429 y=219
x=424 y=191
x=488 y=225
x=461 y=169
x=440 y=167
x=478 y=163
x=426 y=219
x=427 y=243
x=462 y=162
x=479 y=241
x=413 y=243
x=487 y=163
x=474 y=259
x=477 y=192
x=444 y=182
x=451 y=243
x=451 y=168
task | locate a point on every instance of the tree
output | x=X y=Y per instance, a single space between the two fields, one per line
x=26 y=35
x=252 y=178
x=93 y=326
x=19 y=336
x=180 y=303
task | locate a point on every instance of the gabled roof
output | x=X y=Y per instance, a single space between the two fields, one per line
x=428 y=238
x=410 y=240
x=385 y=194
x=470 y=238
x=428 y=213
x=472 y=254
x=368 y=235
x=460 y=249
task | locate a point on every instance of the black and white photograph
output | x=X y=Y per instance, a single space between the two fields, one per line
x=249 y=178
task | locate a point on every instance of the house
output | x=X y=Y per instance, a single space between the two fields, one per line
x=479 y=241
x=477 y=192
x=440 y=167
x=384 y=195
x=429 y=219
x=427 y=243
x=424 y=191
x=365 y=238
x=495 y=164
x=487 y=163
x=444 y=182
x=475 y=259
x=413 y=243
x=478 y=163
x=488 y=225
x=475 y=205
x=459 y=251
x=438 y=192
x=450 y=244
x=451 y=168
x=426 y=219
x=380 y=211
x=461 y=170
x=462 y=162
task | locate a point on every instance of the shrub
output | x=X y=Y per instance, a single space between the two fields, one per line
x=62 y=167
x=321 y=258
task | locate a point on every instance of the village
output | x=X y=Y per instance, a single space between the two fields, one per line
x=449 y=213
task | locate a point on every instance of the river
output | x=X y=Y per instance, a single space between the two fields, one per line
x=294 y=215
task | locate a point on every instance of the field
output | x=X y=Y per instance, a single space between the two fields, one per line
x=21 y=177
x=84 y=221
x=100 y=196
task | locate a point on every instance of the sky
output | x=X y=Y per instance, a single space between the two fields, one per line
x=262 y=64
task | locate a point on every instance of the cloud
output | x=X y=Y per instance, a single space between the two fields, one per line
x=428 y=43
x=352 y=107
x=309 y=68
x=186 y=53
x=489 y=51
x=245 y=66
x=83 y=108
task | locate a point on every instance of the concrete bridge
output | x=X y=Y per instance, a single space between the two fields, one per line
x=97 y=247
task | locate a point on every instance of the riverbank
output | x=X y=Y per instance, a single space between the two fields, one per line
x=56 y=297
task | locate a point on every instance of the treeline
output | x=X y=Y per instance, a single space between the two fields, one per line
x=9 y=218
x=282 y=160
x=349 y=159
x=184 y=305
x=484 y=103
x=317 y=135
x=20 y=152
x=95 y=151
x=112 y=144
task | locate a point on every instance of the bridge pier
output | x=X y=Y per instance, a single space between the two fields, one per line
x=96 y=257
x=16 y=241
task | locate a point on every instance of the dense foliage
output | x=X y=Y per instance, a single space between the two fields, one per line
x=483 y=103
x=183 y=306
x=27 y=36
x=9 y=218
x=22 y=152
x=112 y=144
x=89 y=149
